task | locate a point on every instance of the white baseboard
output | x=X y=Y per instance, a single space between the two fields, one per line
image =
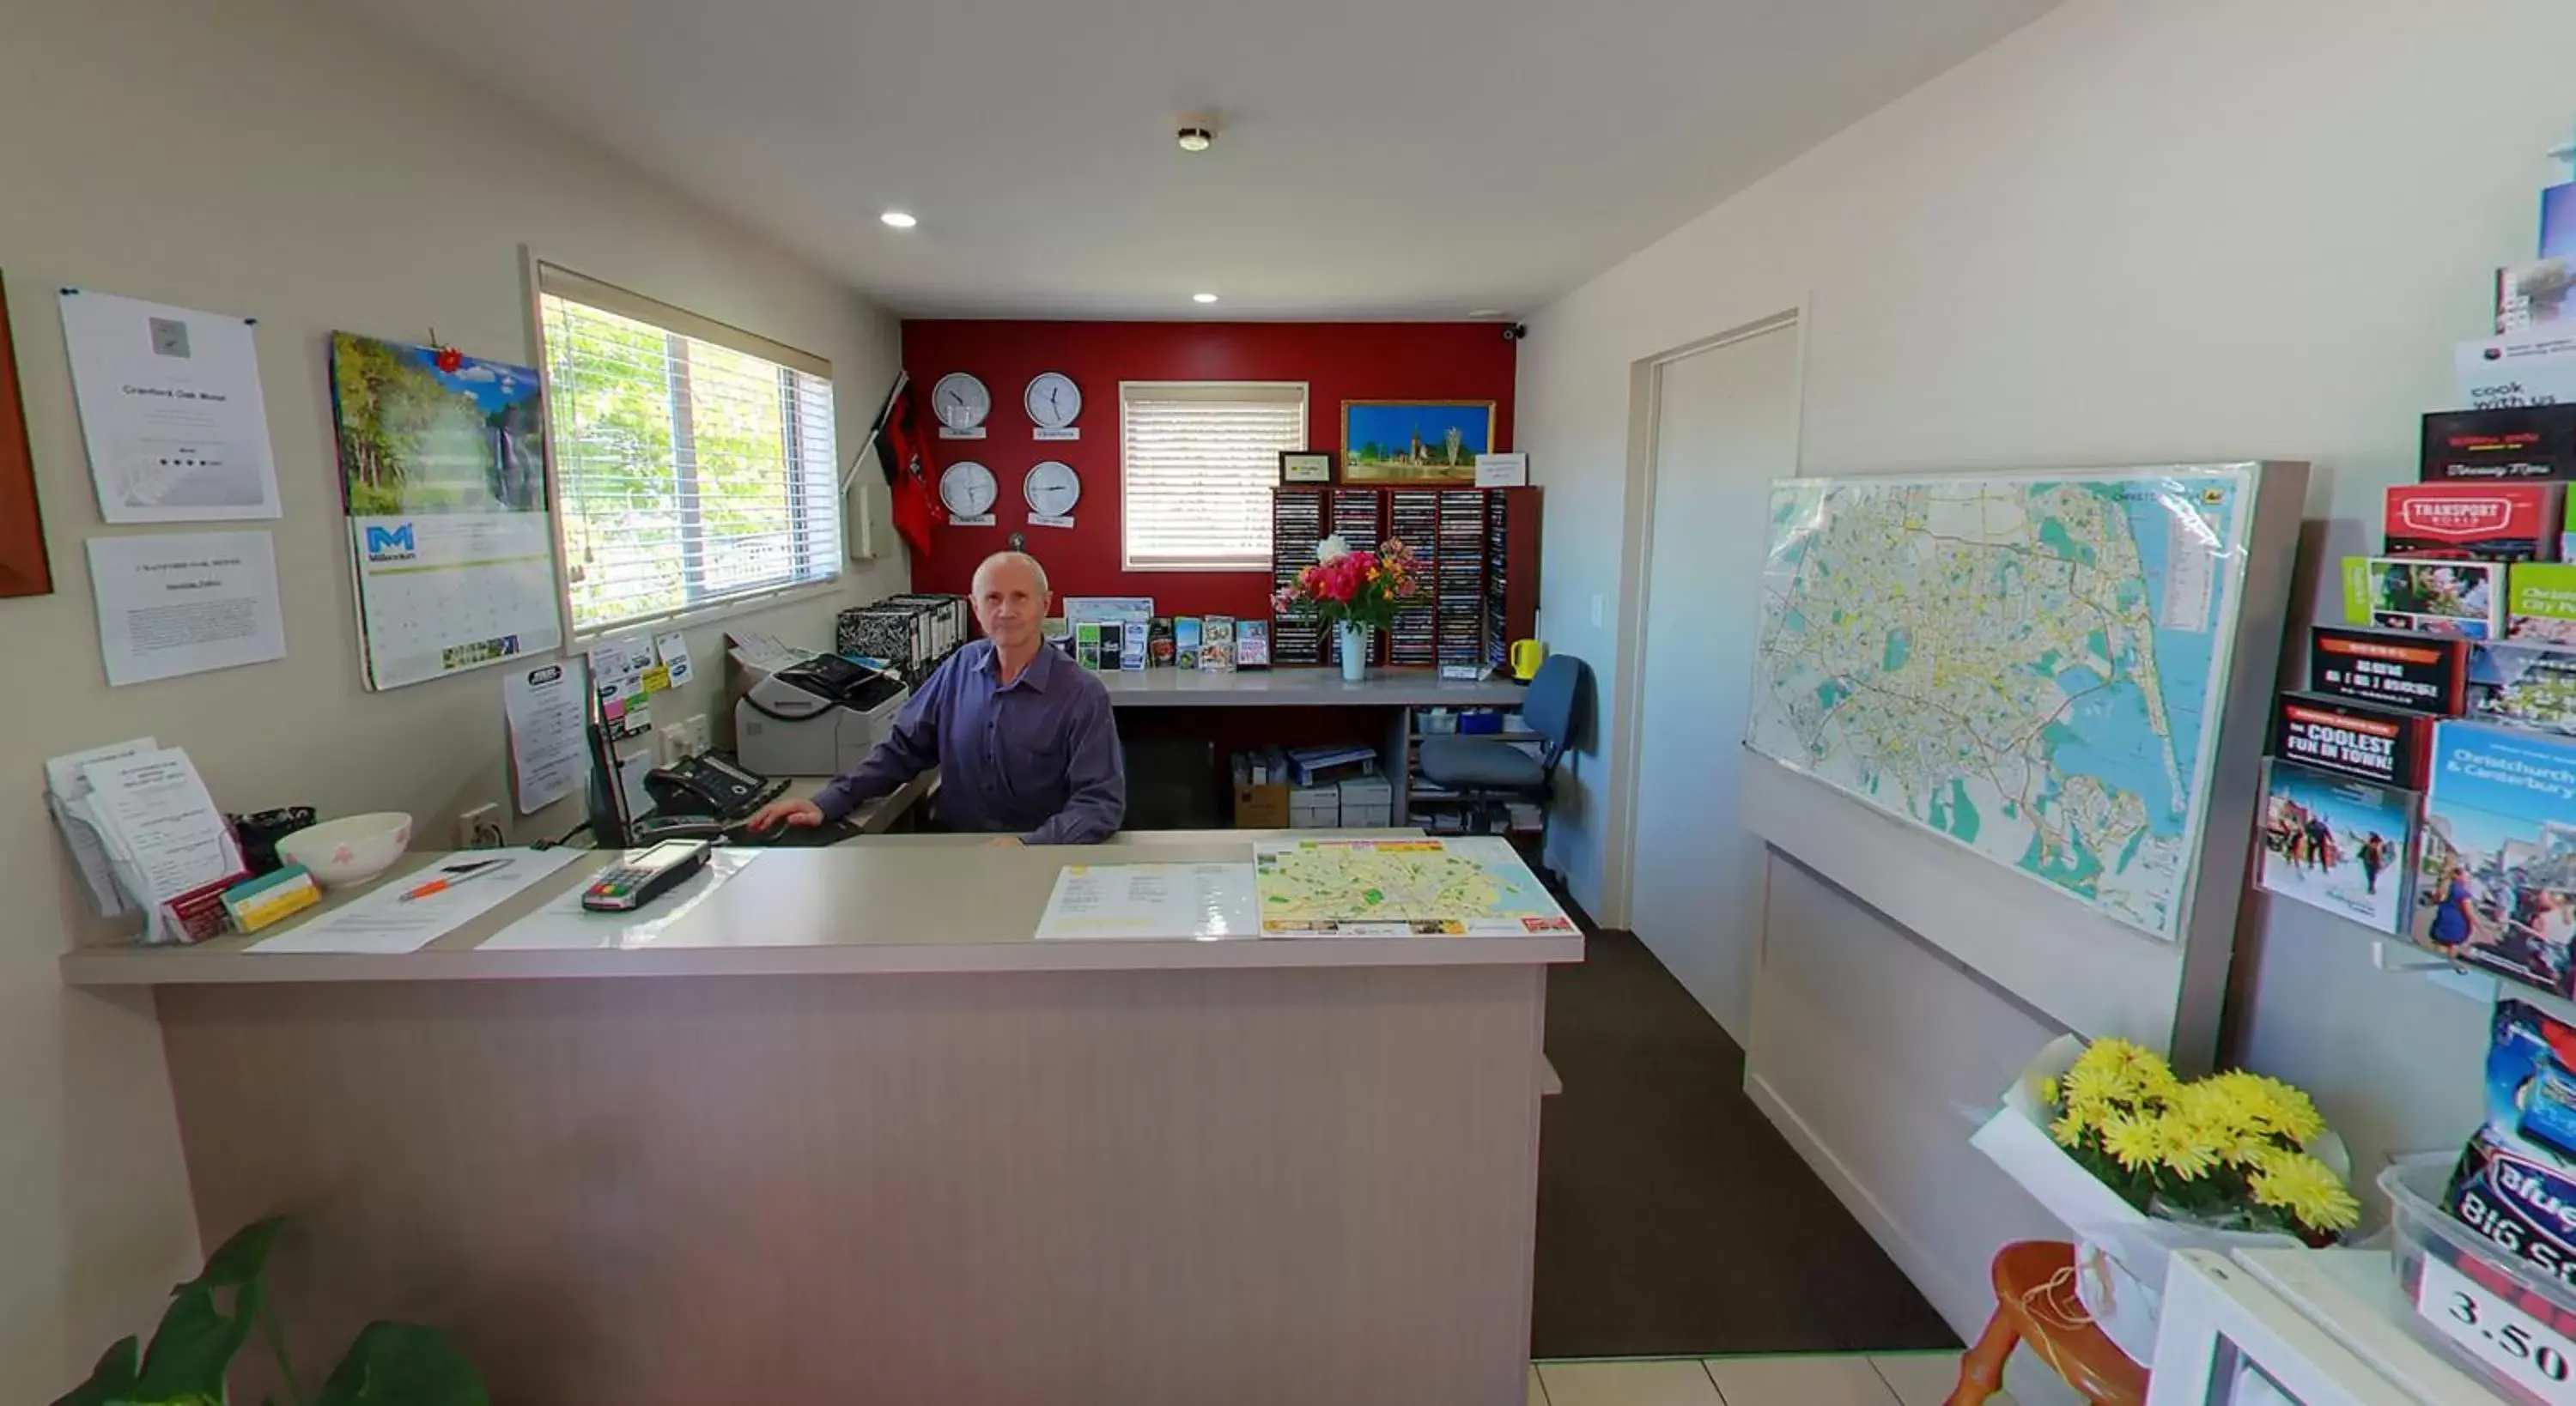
x=1947 y=1293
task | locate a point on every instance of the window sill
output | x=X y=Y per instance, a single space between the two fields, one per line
x=709 y=614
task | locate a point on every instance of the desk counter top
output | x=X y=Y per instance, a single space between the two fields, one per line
x=1304 y=687
x=900 y=904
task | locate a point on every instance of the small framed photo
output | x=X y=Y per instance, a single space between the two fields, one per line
x=1306 y=466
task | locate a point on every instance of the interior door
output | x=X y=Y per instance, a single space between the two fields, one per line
x=1726 y=426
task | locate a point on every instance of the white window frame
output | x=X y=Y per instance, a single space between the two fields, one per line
x=545 y=277
x=1212 y=391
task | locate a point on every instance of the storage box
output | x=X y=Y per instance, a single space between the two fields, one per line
x=2433 y=1251
x=1315 y=807
x=1367 y=802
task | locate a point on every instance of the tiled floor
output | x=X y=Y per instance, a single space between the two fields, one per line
x=1894 y=1379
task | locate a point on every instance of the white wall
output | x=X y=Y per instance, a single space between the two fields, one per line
x=262 y=157
x=2132 y=232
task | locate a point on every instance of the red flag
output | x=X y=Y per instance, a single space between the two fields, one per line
x=916 y=508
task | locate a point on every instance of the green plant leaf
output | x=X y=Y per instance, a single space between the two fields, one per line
x=195 y=1344
x=240 y=1259
x=403 y=1364
x=112 y=1380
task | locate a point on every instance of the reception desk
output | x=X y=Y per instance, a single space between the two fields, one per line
x=845 y=1131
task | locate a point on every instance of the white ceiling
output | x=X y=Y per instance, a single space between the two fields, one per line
x=1378 y=158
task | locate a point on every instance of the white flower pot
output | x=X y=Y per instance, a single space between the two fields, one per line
x=1355 y=651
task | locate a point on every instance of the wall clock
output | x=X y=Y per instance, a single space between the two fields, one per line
x=961 y=403
x=967 y=490
x=1053 y=400
x=1052 y=488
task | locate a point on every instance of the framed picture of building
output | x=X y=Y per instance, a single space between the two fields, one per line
x=23 y=569
x=1415 y=441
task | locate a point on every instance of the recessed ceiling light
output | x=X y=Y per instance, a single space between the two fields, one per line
x=1202 y=297
x=898 y=219
x=1486 y=312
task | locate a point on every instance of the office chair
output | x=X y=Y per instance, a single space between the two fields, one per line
x=1485 y=774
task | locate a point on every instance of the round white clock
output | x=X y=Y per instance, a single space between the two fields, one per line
x=1052 y=488
x=1053 y=400
x=960 y=401
x=967 y=489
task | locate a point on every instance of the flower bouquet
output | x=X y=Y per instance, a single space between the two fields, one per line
x=1355 y=592
x=2139 y=1164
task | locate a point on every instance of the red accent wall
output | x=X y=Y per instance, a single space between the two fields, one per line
x=1338 y=361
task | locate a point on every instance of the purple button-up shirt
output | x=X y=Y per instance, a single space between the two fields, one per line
x=1039 y=757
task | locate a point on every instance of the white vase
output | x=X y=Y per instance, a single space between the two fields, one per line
x=1355 y=648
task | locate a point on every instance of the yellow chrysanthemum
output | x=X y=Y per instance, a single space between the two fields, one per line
x=2184 y=1148
x=2068 y=1130
x=2131 y=1140
x=2048 y=1093
x=2086 y=1086
x=2271 y=1105
x=2306 y=1188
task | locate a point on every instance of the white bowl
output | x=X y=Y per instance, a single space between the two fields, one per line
x=350 y=850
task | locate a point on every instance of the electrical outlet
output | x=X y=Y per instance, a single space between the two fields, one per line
x=694 y=729
x=480 y=827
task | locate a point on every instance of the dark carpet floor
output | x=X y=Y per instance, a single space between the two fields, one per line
x=1673 y=1220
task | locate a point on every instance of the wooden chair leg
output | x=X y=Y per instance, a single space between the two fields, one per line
x=1981 y=1368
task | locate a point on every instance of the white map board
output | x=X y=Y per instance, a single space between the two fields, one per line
x=2031 y=667
x=2059 y=951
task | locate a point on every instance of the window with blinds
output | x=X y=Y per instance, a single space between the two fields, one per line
x=694 y=463
x=1197 y=461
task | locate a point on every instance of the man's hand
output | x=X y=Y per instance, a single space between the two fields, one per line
x=1003 y=842
x=787 y=812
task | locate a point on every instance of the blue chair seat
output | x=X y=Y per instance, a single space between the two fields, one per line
x=1466 y=764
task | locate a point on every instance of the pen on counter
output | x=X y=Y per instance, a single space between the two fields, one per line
x=450 y=878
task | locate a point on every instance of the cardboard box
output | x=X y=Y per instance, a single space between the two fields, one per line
x=1260 y=805
x=2530 y=444
x=2485 y=521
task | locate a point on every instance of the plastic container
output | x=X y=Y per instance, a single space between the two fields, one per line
x=2420 y=1230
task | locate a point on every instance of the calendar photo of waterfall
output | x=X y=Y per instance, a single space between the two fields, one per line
x=416 y=436
x=442 y=470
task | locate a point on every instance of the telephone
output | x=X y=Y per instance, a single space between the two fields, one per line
x=707 y=785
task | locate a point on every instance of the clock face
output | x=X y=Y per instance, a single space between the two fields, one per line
x=960 y=401
x=1053 y=400
x=1052 y=489
x=967 y=489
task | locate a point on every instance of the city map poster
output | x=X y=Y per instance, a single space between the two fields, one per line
x=2030 y=666
x=1462 y=886
x=443 y=475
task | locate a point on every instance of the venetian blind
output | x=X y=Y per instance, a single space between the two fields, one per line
x=1197 y=462
x=694 y=463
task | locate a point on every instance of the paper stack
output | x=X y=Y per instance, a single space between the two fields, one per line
x=143 y=830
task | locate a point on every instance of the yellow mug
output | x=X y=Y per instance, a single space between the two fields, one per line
x=1526 y=655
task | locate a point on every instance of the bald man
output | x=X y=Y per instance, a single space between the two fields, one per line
x=1020 y=733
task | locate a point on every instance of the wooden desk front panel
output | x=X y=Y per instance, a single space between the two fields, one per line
x=1076 y=1189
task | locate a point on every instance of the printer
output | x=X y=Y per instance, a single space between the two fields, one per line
x=816 y=716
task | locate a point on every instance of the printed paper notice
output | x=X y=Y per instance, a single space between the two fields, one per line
x=384 y=922
x=674 y=649
x=545 y=710
x=184 y=603
x=170 y=405
x=1152 y=902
